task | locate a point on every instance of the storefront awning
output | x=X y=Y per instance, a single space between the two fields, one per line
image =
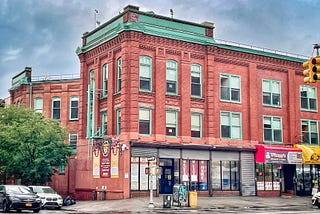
x=277 y=154
x=310 y=154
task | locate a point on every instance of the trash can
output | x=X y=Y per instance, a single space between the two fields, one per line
x=167 y=201
x=193 y=199
x=103 y=195
x=94 y=195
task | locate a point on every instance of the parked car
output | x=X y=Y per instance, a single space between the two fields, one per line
x=49 y=197
x=18 y=197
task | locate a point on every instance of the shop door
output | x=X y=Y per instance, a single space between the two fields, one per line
x=166 y=180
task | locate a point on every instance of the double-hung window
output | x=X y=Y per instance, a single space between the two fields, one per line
x=271 y=91
x=309 y=132
x=38 y=104
x=119 y=70
x=56 y=108
x=145 y=121
x=145 y=73
x=272 y=129
x=230 y=87
x=171 y=77
x=105 y=73
x=196 y=125
x=196 y=80
x=230 y=125
x=73 y=139
x=104 y=123
x=308 y=98
x=171 y=123
x=74 y=105
x=118 y=121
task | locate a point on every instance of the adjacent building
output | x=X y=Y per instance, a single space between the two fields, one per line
x=159 y=99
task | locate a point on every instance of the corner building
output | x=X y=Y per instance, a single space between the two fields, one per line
x=163 y=94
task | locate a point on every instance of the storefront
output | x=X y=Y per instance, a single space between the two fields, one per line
x=308 y=173
x=275 y=169
x=207 y=171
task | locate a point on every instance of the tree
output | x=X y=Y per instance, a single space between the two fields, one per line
x=2 y=103
x=30 y=145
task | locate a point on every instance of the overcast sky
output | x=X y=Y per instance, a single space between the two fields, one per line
x=44 y=34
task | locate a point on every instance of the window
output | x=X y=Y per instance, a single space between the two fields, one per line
x=308 y=96
x=62 y=169
x=139 y=180
x=145 y=121
x=272 y=129
x=104 y=123
x=229 y=87
x=194 y=173
x=38 y=104
x=73 y=139
x=105 y=73
x=196 y=125
x=268 y=176
x=171 y=123
x=118 y=121
x=230 y=125
x=145 y=72
x=171 y=77
x=56 y=108
x=271 y=91
x=309 y=131
x=119 y=70
x=196 y=80
x=225 y=175
x=74 y=104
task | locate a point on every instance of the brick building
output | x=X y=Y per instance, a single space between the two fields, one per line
x=55 y=97
x=160 y=93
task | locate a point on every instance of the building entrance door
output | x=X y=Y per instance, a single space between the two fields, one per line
x=167 y=178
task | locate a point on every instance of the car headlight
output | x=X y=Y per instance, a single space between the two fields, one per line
x=38 y=200
x=14 y=199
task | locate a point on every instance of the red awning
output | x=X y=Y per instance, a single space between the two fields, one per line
x=277 y=154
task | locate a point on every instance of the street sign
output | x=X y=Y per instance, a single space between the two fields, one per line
x=152 y=158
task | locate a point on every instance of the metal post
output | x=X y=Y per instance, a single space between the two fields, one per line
x=151 y=190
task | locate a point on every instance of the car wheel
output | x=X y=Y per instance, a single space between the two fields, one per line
x=5 y=207
x=36 y=211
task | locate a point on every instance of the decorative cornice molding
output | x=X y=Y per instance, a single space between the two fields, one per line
x=271 y=68
x=230 y=61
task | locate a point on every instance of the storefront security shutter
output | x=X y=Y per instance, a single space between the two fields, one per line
x=169 y=153
x=143 y=152
x=247 y=174
x=195 y=154
x=230 y=156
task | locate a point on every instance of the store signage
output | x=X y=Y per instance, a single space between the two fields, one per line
x=283 y=157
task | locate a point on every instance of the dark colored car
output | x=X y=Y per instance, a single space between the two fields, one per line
x=18 y=197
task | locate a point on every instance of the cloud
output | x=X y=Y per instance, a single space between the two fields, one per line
x=11 y=54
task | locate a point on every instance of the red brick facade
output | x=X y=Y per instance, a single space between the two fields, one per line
x=215 y=59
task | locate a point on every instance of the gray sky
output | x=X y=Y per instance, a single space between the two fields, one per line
x=44 y=34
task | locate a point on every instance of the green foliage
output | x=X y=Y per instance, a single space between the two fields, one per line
x=30 y=145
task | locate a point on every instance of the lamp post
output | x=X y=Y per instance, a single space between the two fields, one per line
x=151 y=172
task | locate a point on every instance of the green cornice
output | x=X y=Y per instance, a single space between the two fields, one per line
x=152 y=24
x=261 y=53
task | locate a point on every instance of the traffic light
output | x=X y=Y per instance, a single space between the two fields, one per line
x=316 y=67
x=307 y=65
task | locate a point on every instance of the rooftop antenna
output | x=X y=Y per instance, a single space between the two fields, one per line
x=171 y=13
x=96 y=21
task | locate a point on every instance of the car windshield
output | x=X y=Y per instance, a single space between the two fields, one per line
x=18 y=190
x=43 y=190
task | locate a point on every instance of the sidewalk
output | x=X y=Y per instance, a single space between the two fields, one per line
x=203 y=203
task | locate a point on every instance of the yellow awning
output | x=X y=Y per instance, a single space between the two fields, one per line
x=310 y=154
